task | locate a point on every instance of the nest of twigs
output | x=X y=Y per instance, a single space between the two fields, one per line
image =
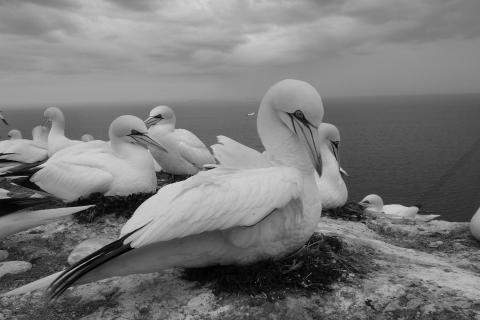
x=312 y=269
x=351 y=211
x=120 y=206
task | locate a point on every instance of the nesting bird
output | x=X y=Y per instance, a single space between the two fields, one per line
x=226 y=215
x=373 y=204
x=186 y=155
x=56 y=138
x=28 y=151
x=330 y=183
x=120 y=167
x=87 y=137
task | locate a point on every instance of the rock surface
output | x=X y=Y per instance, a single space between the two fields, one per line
x=14 y=267
x=3 y=255
x=85 y=248
x=416 y=271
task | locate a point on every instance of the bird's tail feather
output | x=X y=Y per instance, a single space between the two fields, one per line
x=87 y=264
x=32 y=286
x=11 y=205
x=23 y=220
x=24 y=169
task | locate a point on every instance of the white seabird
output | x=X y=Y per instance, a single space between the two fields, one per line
x=373 y=204
x=224 y=215
x=28 y=151
x=56 y=138
x=120 y=167
x=475 y=225
x=187 y=154
x=330 y=184
x=87 y=137
x=12 y=135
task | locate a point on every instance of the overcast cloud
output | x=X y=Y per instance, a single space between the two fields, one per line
x=111 y=50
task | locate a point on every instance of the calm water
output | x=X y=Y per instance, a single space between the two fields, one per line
x=408 y=149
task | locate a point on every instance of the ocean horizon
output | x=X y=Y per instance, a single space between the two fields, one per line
x=409 y=149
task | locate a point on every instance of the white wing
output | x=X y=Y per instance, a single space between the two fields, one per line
x=233 y=154
x=25 y=151
x=192 y=149
x=213 y=200
x=399 y=210
x=71 y=177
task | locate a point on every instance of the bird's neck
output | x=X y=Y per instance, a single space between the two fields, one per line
x=330 y=166
x=58 y=128
x=126 y=150
x=161 y=129
x=280 y=142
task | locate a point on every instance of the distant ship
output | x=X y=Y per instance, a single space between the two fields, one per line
x=251 y=114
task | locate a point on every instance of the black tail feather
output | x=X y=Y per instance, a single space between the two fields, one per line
x=25 y=169
x=11 y=205
x=87 y=264
x=26 y=183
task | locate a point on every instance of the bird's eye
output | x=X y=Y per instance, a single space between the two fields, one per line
x=366 y=201
x=299 y=114
x=159 y=116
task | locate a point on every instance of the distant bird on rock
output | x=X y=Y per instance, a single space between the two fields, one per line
x=373 y=204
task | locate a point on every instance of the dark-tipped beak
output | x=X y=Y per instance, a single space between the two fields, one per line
x=4 y=121
x=308 y=134
x=145 y=140
x=343 y=172
x=150 y=121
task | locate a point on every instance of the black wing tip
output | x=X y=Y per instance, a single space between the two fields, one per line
x=87 y=264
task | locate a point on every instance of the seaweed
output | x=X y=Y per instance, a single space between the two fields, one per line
x=312 y=269
x=351 y=211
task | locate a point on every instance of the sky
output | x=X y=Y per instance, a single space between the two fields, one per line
x=72 y=51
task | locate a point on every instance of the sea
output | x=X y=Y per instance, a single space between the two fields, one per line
x=421 y=149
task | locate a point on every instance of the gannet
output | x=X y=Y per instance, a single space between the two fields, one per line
x=475 y=225
x=374 y=204
x=332 y=188
x=224 y=215
x=56 y=138
x=28 y=151
x=186 y=153
x=120 y=167
x=87 y=137
x=12 y=135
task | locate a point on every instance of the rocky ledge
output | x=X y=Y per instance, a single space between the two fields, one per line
x=388 y=269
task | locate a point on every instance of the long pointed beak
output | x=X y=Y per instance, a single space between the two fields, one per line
x=343 y=172
x=145 y=140
x=309 y=135
x=150 y=121
x=4 y=120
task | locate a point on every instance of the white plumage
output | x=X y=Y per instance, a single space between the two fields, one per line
x=374 y=204
x=56 y=138
x=12 y=135
x=475 y=225
x=87 y=137
x=28 y=151
x=226 y=215
x=332 y=188
x=116 y=168
x=187 y=154
x=330 y=184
